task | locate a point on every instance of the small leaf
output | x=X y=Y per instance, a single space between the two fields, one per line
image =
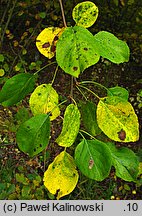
x=61 y=176
x=117 y=119
x=2 y=72
x=110 y=47
x=21 y=178
x=1 y=58
x=44 y=99
x=118 y=91
x=125 y=162
x=93 y=158
x=33 y=135
x=42 y=15
x=26 y=192
x=16 y=88
x=47 y=39
x=75 y=52
x=85 y=14
x=88 y=113
x=71 y=124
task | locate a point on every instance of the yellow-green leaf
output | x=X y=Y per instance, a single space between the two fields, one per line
x=44 y=99
x=140 y=168
x=47 y=39
x=71 y=124
x=85 y=14
x=61 y=176
x=2 y=72
x=117 y=119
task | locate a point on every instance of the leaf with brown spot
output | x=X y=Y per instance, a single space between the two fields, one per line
x=47 y=39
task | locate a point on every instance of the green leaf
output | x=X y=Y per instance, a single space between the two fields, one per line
x=44 y=99
x=16 y=88
x=26 y=192
x=110 y=47
x=75 y=52
x=21 y=178
x=117 y=119
x=125 y=162
x=33 y=135
x=1 y=58
x=88 y=113
x=93 y=158
x=118 y=91
x=85 y=14
x=61 y=176
x=42 y=15
x=71 y=124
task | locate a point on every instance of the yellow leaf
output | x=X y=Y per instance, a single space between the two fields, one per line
x=61 y=176
x=47 y=39
x=85 y=14
x=117 y=119
x=44 y=99
x=2 y=72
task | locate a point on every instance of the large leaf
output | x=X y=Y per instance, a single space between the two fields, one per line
x=93 y=158
x=61 y=176
x=47 y=39
x=117 y=119
x=85 y=14
x=75 y=52
x=71 y=124
x=125 y=162
x=88 y=113
x=33 y=135
x=44 y=99
x=118 y=91
x=110 y=47
x=16 y=88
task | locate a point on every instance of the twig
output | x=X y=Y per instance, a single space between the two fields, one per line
x=7 y=23
x=63 y=15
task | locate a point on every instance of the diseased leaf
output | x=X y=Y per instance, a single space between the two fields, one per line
x=61 y=176
x=71 y=124
x=75 y=52
x=125 y=162
x=88 y=113
x=33 y=135
x=47 y=39
x=93 y=158
x=118 y=91
x=85 y=14
x=44 y=99
x=117 y=119
x=16 y=88
x=110 y=47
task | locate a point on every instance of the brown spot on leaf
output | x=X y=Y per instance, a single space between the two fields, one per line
x=53 y=48
x=91 y=163
x=85 y=48
x=75 y=68
x=122 y=134
x=56 y=38
x=46 y=45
